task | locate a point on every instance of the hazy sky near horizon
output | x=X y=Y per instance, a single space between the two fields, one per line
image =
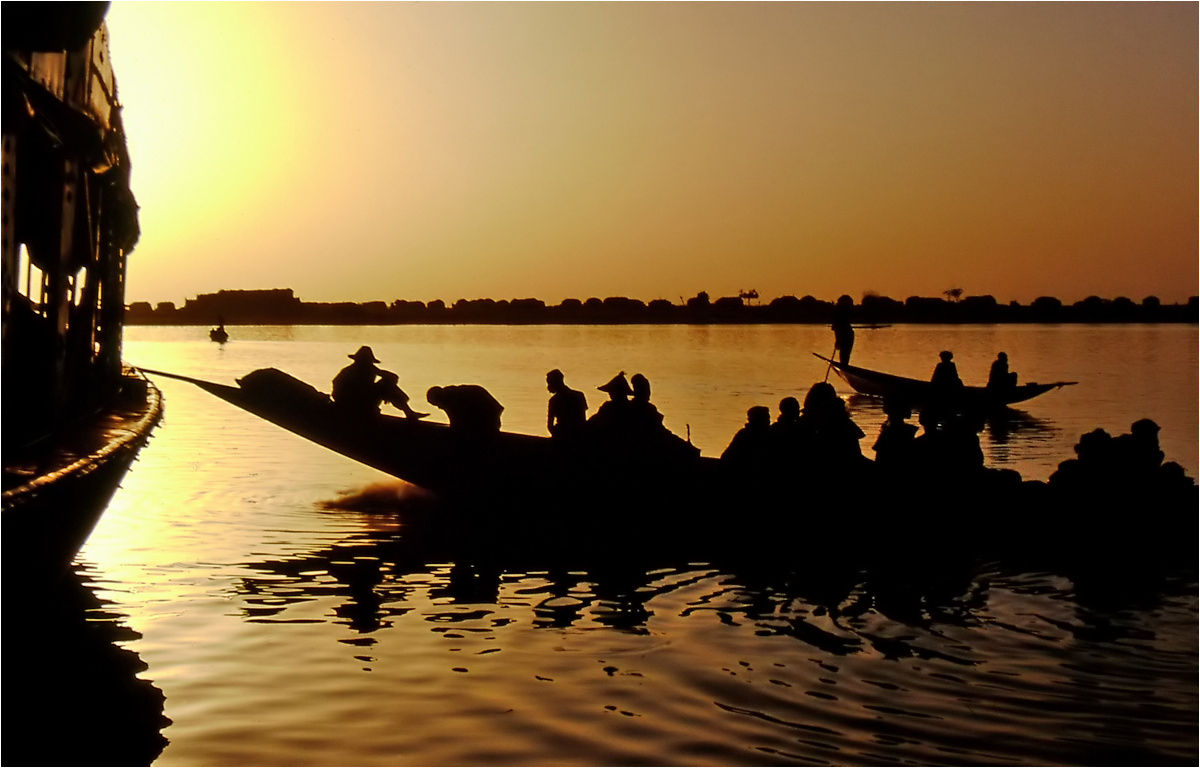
x=376 y=151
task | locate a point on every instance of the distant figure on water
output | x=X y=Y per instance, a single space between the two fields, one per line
x=843 y=331
x=566 y=413
x=361 y=387
x=469 y=407
x=219 y=334
x=999 y=377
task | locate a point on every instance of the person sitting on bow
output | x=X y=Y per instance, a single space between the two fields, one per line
x=361 y=387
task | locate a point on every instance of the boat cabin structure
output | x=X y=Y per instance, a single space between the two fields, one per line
x=74 y=415
x=69 y=217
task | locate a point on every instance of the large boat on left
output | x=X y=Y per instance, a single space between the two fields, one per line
x=74 y=415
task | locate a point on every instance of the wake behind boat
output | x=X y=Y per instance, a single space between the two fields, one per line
x=917 y=393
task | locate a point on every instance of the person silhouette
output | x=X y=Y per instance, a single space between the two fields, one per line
x=469 y=407
x=613 y=414
x=752 y=445
x=361 y=387
x=895 y=445
x=566 y=413
x=843 y=331
x=999 y=376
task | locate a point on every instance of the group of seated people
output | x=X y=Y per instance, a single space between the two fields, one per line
x=627 y=421
x=819 y=435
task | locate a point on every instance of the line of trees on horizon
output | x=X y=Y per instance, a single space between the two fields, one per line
x=280 y=306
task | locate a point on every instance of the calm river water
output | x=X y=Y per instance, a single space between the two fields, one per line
x=283 y=632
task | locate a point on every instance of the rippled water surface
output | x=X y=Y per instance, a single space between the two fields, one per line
x=283 y=632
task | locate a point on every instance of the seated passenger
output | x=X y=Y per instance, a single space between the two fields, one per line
x=834 y=435
x=646 y=424
x=945 y=373
x=469 y=407
x=752 y=445
x=361 y=387
x=613 y=415
x=895 y=445
x=999 y=377
x=788 y=434
x=566 y=413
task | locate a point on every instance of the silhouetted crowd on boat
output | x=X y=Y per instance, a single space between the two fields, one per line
x=816 y=441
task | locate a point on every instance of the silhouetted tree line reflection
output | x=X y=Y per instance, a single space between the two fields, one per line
x=281 y=307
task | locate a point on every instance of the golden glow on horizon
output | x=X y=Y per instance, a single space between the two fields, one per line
x=363 y=151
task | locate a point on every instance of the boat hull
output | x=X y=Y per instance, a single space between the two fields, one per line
x=918 y=394
x=55 y=492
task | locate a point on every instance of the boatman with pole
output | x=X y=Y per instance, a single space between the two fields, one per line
x=843 y=331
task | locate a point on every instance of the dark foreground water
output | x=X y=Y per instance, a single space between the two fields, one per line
x=285 y=632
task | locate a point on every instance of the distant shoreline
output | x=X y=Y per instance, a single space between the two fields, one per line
x=281 y=307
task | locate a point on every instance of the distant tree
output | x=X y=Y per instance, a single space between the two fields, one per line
x=1151 y=302
x=661 y=305
x=699 y=301
x=437 y=305
x=593 y=303
x=953 y=294
x=728 y=304
x=571 y=304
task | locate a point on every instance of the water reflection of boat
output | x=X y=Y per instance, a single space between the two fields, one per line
x=74 y=417
x=917 y=393
x=65 y=659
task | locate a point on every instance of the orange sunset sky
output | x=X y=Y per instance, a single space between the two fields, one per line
x=375 y=151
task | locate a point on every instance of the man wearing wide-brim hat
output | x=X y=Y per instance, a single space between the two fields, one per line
x=361 y=387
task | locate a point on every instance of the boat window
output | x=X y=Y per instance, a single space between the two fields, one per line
x=78 y=286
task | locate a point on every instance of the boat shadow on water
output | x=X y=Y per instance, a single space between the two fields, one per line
x=73 y=692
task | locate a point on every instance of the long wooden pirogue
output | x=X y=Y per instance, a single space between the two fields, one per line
x=917 y=393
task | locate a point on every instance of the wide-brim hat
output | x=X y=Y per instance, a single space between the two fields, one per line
x=617 y=385
x=364 y=353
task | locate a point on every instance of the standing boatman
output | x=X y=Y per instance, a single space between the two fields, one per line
x=843 y=331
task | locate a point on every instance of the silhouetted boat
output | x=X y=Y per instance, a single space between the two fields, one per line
x=918 y=393
x=74 y=417
x=219 y=335
x=453 y=464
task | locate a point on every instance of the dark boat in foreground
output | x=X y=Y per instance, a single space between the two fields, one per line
x=456 y=466
x=508 y=483
x=917 y=393
x=74 y=416
x=218 y=334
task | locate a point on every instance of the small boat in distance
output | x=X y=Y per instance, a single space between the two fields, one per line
x=219 y=334
x=917 y=393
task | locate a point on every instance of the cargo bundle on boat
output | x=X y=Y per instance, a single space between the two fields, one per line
x=74 y=416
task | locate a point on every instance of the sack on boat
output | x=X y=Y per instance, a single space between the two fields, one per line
x=283 y=387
